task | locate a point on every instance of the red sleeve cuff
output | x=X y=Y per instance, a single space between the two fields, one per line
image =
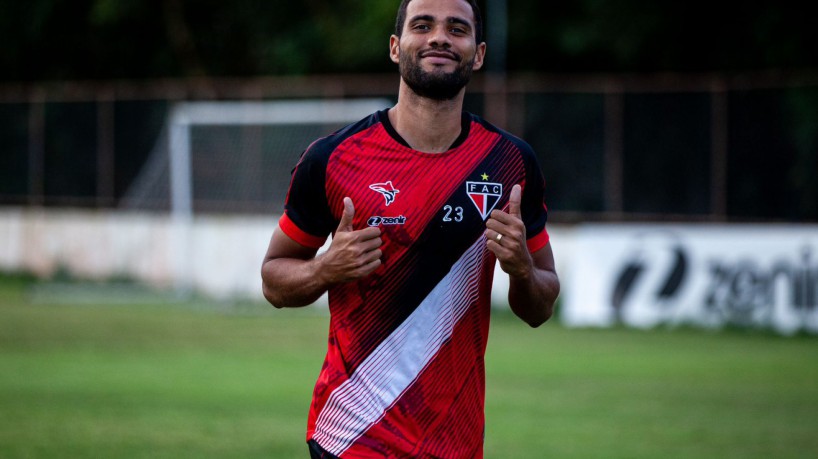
x=539 y=241
x=295 y=233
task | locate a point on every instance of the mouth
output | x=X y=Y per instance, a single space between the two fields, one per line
x=438 y=54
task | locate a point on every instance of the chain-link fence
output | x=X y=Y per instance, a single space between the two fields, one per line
x=703 y=147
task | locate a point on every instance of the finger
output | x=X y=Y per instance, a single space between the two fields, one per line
x=369 y=233
x=368 y=245
x=495 y=224
x=514 y=201
x=509 y=226
x=494 y=237
x=369 y=267
x=345 y=225
x=497 y=248
x=371 y=256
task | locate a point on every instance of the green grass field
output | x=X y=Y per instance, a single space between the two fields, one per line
x=198 y=380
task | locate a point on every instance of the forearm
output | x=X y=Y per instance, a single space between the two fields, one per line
x=532 y=297
x=291 y=282
x=293 y=276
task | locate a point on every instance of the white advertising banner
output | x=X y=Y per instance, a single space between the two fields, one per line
x=763 y=276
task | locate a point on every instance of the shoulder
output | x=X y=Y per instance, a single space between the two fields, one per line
x=321 y=149
x=524 y=148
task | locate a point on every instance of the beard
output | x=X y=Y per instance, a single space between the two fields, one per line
x=437 y=84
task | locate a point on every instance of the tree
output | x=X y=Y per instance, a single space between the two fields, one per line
x=82 y=39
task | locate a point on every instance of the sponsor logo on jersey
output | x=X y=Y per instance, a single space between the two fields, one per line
x=484 y=196
x=386 y=189
x=377 y=221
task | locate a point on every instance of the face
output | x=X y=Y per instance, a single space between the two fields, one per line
x=437 y=51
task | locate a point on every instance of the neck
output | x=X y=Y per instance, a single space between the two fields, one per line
x=427 y=125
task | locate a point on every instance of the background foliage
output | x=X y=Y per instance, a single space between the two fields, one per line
x=90 y=39
x=772 y=138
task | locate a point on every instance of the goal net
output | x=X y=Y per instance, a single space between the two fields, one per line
x=235 y=157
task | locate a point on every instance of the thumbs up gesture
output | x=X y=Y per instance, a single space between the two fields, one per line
x=506 y=236
x=352 y=254
x=345 y=225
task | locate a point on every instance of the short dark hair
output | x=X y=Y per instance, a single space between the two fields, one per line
x=478 y=19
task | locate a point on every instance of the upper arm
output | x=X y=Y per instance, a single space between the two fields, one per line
x=283 y=246
x=285 y=270
x=544 y=259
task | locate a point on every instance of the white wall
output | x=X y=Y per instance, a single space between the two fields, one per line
x=759 y=275
x=218 y=256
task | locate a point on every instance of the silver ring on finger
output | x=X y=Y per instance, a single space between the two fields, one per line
x=499 y=236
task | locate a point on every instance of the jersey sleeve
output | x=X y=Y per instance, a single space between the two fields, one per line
x=533 y=208
x=307 y=218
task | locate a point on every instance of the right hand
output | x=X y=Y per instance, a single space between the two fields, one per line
x=352 y=254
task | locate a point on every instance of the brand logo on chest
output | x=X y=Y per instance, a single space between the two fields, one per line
x=386 y=189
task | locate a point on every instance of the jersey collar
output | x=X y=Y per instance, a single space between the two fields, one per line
x=465 y=125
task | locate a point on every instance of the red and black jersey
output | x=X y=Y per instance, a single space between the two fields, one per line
x=404 y=371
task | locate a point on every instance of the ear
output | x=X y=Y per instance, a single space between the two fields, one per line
x=479 y=56
x=394 y=49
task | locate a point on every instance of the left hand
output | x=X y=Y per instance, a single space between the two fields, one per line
x=511 y=249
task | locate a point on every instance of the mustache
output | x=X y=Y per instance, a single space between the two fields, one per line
x=441 y=52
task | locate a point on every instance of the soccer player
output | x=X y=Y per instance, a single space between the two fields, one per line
x=422 y=199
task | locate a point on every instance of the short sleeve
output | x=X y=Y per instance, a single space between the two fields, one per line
x=533 y=208
x=307 y=218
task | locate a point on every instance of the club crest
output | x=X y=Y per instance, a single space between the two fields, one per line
x=484 y=196
x=386 y=189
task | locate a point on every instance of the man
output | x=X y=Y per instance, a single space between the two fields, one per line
x=421 y=200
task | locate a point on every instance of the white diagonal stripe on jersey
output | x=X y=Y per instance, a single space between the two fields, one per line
x=363 y=399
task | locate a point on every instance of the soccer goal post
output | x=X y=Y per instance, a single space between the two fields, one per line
x=230 y=157
x=293 y=116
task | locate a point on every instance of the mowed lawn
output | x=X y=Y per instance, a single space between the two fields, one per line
x=200 y=380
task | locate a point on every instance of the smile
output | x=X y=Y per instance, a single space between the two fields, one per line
x=440 y=54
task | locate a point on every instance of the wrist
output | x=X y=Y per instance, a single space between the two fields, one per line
x=320 y=273
x=523 y=273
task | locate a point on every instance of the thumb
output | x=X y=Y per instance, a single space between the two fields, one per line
x=345 y=225
x=514 y=201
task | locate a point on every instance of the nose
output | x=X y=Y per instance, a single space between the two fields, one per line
x=439 y=38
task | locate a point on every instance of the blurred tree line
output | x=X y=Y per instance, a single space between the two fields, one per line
x=773 y=133
x=105 y=39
